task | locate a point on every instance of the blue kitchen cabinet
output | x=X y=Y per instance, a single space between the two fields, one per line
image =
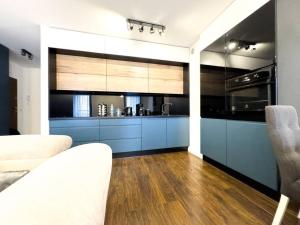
x=213 y=139
x=249 y=152
x=122 y=135
x=177 y=132
x=124 y=145
x=58 y=123
x=154 y=133
x=80 y=130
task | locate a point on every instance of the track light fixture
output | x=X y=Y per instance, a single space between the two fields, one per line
x=24 y=52
x=240 y=44
x=141 y=26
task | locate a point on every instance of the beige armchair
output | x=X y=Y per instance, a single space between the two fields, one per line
x=25 y=152
x=284 y=131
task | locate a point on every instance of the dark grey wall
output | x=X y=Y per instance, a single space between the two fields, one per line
x=4 y=91
x=288 y=52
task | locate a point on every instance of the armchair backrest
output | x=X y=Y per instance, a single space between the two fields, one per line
x=284 y=132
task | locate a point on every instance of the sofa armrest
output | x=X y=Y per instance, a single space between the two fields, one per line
x=68 y=189
x=24 y=152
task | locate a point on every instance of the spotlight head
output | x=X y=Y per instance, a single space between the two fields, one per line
x=23 y=52
x=152 y=31
x=247 y=47
x=162 y=31
x=30 y=56
x=131 y=26
x=141 y=29
x=232 y=45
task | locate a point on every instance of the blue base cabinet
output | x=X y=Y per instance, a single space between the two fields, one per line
x=178 y=132
x=122 y=135
x=154 y=133
x=81 y=131
x=242 y=146
x=213 y=139
x=126 y=134
x=249 y=152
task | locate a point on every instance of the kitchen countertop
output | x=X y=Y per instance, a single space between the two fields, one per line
x=115 y=117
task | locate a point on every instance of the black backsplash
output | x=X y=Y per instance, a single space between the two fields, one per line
x=61 y=105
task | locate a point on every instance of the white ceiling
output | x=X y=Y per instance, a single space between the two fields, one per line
x=185 y=20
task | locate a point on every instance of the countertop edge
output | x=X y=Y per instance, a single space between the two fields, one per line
x=121 y=117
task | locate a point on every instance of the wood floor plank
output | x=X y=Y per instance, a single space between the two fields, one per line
x=181 y=189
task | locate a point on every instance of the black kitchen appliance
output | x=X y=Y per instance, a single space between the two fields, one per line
x=128 y=111
x=252 y=92
x=140 y=110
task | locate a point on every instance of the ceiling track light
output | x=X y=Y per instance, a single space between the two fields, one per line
x=240 y=44
x=29 y=55
x=142 y=24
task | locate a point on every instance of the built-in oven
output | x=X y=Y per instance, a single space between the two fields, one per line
x=251 y=92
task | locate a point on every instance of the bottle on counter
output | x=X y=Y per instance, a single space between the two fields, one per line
x=112 y=112
x=118 y=112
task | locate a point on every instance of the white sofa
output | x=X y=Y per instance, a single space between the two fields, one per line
x=68 y=189
x=25 y=152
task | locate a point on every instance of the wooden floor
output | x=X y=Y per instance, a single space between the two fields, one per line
x=180 y=189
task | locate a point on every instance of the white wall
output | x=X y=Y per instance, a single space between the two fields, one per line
x=28 y=95
x=234 y=14
x=288 y=49
x=65 y=39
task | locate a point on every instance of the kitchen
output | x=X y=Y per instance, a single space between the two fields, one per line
x=135 y=105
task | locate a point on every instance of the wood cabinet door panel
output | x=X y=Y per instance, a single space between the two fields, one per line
x=127 y=84
x=80 y=82
x=165 y=86
x=166 y=72
x=80 y=65
x=127 y=69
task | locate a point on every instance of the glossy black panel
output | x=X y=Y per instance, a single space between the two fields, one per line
x=245 y=49
x=4 y=91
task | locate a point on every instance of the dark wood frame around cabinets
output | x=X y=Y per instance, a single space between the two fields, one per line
x=52 y=72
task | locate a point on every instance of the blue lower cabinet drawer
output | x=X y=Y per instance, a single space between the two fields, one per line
x=120 y=132
x=78 y=133
x=124 y=145
x=76 y=143
x=120 y=122
x=74 y=123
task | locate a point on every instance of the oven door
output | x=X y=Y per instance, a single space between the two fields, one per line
x=251 y=98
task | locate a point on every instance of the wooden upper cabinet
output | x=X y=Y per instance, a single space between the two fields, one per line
x=127 y=69
x=80 y=73
x=166 y=79
x=126 y=76
x=80 y=64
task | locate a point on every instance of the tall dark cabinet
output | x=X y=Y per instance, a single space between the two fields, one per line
x=4 y=91
x=237 y=82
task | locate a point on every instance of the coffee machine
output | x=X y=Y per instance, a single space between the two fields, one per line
x=140 y=110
